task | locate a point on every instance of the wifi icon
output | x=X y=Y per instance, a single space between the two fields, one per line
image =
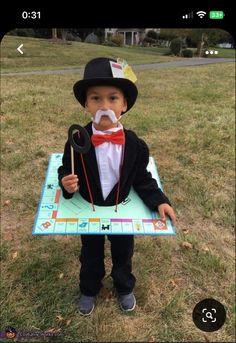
x=201 y=14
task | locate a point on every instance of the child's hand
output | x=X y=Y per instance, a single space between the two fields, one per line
x=70 y=183
x=164 y=209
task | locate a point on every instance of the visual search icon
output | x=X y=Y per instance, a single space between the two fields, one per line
x=209 y=315
x=201 y=14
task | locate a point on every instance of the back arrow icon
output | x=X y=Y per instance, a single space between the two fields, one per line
x=19 y=48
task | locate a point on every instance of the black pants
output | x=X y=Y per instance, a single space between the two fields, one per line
x=92 y=263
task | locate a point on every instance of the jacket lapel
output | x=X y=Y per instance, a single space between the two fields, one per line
x=91 y=160
x=130 y=155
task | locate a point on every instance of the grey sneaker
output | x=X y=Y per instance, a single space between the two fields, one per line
x=86 y=305
x=127 y=302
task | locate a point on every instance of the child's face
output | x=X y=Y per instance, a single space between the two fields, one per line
x=104 y=98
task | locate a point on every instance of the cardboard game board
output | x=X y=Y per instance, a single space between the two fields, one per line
x=59 y=216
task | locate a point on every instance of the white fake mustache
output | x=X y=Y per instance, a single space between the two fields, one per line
x=109 y=113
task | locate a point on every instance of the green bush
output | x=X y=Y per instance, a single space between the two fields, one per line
x=152 y=34
x=176 y=46
x=118 y=40
x=108 y=43
x=22 y=32
x=149 y=40
x=187 y=53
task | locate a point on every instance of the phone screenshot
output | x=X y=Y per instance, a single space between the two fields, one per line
x=117 y=177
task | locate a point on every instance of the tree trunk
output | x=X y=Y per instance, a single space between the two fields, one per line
x=54 y=33
x=63 y=34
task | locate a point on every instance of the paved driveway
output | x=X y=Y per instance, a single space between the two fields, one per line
x=185 y=62
x=182 y=63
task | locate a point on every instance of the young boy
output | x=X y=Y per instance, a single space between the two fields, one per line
x=116 y=161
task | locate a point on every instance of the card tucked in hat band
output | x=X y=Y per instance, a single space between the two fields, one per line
x=117 y=70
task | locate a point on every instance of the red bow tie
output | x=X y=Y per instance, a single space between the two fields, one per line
x=117 y=137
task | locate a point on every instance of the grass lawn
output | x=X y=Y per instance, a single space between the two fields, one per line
x=186 y=115
x=41 y=54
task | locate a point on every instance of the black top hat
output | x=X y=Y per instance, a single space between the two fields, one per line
x=98 y=72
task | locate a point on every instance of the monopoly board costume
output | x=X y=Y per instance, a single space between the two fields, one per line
x=59 y=216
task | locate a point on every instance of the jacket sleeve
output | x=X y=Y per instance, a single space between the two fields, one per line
x=144 y=184
x=65 y=169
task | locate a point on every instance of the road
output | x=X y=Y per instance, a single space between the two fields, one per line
x=185 y=62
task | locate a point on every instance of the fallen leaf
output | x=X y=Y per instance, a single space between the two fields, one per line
x=7 y=202
x=172 y=281
x=59 y=318
x=205 y=248
x=187 y=245
x=14 y=255
x=179 y=198
x=53 y=330
x=206 y=338
x=68 y=322
x=194 y=159
x=61 y=276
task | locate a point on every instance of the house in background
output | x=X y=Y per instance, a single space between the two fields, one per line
x=132 y=36
x=225 y=45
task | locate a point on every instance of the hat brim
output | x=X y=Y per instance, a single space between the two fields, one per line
x=128 y=87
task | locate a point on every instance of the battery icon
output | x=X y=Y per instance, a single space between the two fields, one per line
x=216 y=14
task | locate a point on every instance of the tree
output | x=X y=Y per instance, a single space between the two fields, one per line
x=43 y=33
x=176 y=46
x=202 y=44
x=213 y=36
x=83 y=33
x=152 y=34
x=63 y=34
x=54 y=33
x=193 y=37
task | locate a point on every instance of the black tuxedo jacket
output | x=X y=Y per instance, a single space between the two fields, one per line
x=134 y=173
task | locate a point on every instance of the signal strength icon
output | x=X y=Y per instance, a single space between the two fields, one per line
x=188 y=16
x=201 y=14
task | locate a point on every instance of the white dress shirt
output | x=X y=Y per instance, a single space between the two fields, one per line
x=108 y=159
